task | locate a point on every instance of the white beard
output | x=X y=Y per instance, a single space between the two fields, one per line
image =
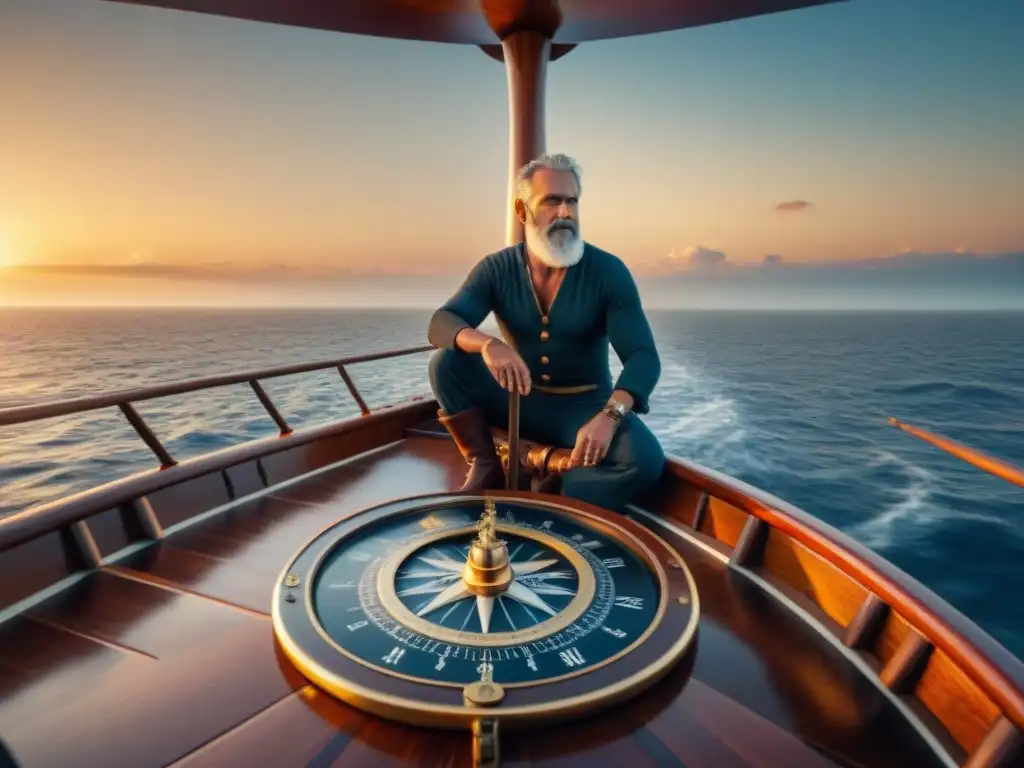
x=566 y=253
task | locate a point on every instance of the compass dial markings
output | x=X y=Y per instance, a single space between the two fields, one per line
x=426 y=575
x=544 y=584
x=550 y=589
x=436 y=585
x=526 y=595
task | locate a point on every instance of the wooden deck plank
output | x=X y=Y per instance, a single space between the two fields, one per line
x=236 y=555
x=221 y=579
x=129 y=613
x=619 y=736
x=310 y=728
x=292 y=732
x=39 y=664
x=414 y=466
x=755 y=739
x=85 y=703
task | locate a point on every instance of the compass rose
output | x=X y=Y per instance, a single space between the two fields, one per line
x=490 y=574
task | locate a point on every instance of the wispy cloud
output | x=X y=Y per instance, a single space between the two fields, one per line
x=713 y=261
x=691 y=258
x=793 y=206
x=222 y=271
x=908 y=279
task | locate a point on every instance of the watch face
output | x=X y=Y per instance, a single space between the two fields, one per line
x=619 y=408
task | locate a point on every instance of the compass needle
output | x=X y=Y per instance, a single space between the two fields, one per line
x=443 y=564
x=426 y=575
x=424 y=589
x=456 y=591
x=531 y=566
x=549 y=575
x=550 y=589
x=485 y=607
x=526 y=595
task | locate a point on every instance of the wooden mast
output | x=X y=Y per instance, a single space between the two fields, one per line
x=526 y=54
x=526 y=29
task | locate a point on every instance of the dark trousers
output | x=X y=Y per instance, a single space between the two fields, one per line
x=635 y=458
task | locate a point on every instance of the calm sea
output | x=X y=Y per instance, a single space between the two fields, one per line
x=793 y=403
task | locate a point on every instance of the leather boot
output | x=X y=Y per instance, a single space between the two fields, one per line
x=474 y=440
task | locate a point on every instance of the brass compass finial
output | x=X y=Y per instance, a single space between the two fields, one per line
x=488 y=571
x=485 y=526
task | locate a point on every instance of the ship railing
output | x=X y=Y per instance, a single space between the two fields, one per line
x=933 y=653
x=41 y=519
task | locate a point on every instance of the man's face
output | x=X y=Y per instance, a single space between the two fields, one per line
x=554 y=206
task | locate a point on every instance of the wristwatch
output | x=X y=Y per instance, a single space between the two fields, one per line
x=617 y=411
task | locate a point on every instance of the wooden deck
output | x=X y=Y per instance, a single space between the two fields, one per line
x=166 y=656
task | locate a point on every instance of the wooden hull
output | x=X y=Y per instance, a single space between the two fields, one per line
x=160 y=651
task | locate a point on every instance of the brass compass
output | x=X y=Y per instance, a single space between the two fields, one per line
x=466 y=611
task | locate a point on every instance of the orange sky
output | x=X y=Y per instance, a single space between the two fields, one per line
x=141 y=136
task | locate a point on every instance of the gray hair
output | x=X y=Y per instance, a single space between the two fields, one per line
x=557 y=162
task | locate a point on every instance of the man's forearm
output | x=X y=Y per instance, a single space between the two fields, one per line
x=471 y=340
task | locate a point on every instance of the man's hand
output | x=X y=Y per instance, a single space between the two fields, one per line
x=506 y=366
x=592 y=441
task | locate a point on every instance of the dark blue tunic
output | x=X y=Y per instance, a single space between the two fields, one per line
x=597 y=303
x=566 y=350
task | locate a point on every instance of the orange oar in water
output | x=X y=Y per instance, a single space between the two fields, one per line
x=991 y=465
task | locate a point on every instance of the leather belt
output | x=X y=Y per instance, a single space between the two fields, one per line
x=574 y=390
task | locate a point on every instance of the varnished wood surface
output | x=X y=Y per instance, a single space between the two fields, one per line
x=938 y=661
x=116 y=673
x=167 y=655
x=479 y=23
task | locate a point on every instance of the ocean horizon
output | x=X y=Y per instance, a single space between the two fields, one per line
x=794 y=402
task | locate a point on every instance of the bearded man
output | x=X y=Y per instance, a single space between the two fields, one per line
x=559 y=302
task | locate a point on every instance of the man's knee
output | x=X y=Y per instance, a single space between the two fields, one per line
x=460 y=380
x=643 y=455
x=441 y=369
x=634 y=465
x=453 y=367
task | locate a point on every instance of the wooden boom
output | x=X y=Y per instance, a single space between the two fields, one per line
x=990 y=464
